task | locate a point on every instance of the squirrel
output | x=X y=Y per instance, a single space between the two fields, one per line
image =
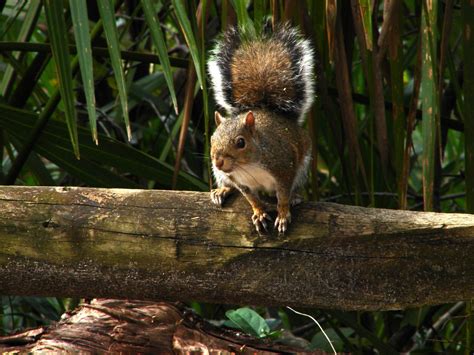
x=266 y=86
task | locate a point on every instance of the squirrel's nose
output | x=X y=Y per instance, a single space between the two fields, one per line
x=219 y=162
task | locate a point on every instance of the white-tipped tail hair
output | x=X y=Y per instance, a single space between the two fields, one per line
x=272 y=71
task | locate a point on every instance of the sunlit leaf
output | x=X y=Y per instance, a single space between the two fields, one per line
x=429 y=98
x=160 y=44
x=83 y=41
x=59 y=47
x=186 y=28
x=249 y=321
x=107 y=15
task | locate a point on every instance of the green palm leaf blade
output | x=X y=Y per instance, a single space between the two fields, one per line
x=259 y=14
x=429 y=100
x=83 y=41
x=111 y=153
x=111 y=35
x=245 y=22
x=160 y=44
x=27 y=28
x=59 y=47
x=187 y=30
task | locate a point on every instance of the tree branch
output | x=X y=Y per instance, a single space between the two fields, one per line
x=175 y=245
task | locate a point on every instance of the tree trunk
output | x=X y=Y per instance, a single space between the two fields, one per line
x=175 y=245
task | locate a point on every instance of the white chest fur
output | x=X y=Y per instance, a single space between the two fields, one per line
x=254 y=177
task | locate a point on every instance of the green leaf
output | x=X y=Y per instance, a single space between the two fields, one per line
x=187 y=30
x=86 y=169
x=259 y=12
x=80 y=22
x=319 y=341
x=27 y=28
x=90 y=169
x=243 y=18
x=174 y=132
x=35 y=165
x=59 y=47
x=44 y=307
x=12 y=19
x=143 y=88
x=249 y=321
x=349 y=320
x=38 y=168
x=160 y=44
x=429 y=99
x=110 y=29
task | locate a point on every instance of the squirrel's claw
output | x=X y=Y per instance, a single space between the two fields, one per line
x=218 y=195
x=281 y=223
x=259 y=220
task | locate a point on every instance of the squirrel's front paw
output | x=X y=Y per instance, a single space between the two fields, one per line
x=218 y=195
x=259 y=220
x=281 y=222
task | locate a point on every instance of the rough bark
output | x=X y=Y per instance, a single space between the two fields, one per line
x=140 y=327
x=170 y=245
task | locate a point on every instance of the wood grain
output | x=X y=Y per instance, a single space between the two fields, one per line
x=175 y=245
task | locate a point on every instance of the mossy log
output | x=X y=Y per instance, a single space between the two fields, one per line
x=175 y=245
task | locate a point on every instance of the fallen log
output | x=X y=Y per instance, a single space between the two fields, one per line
x=108 y=326
x=175 y=245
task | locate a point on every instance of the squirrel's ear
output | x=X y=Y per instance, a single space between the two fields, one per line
x=218 y=118
x=249 y=120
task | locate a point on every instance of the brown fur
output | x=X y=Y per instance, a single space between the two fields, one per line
x=277 y=145
x=261 y=68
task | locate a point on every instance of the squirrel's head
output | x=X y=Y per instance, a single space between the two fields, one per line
x=233 y=143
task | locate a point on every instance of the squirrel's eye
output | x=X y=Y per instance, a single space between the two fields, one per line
x=240 y=143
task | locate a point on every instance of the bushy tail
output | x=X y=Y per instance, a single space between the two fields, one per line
x=273 y=71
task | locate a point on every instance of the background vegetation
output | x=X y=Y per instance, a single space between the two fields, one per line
x=122 y=86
